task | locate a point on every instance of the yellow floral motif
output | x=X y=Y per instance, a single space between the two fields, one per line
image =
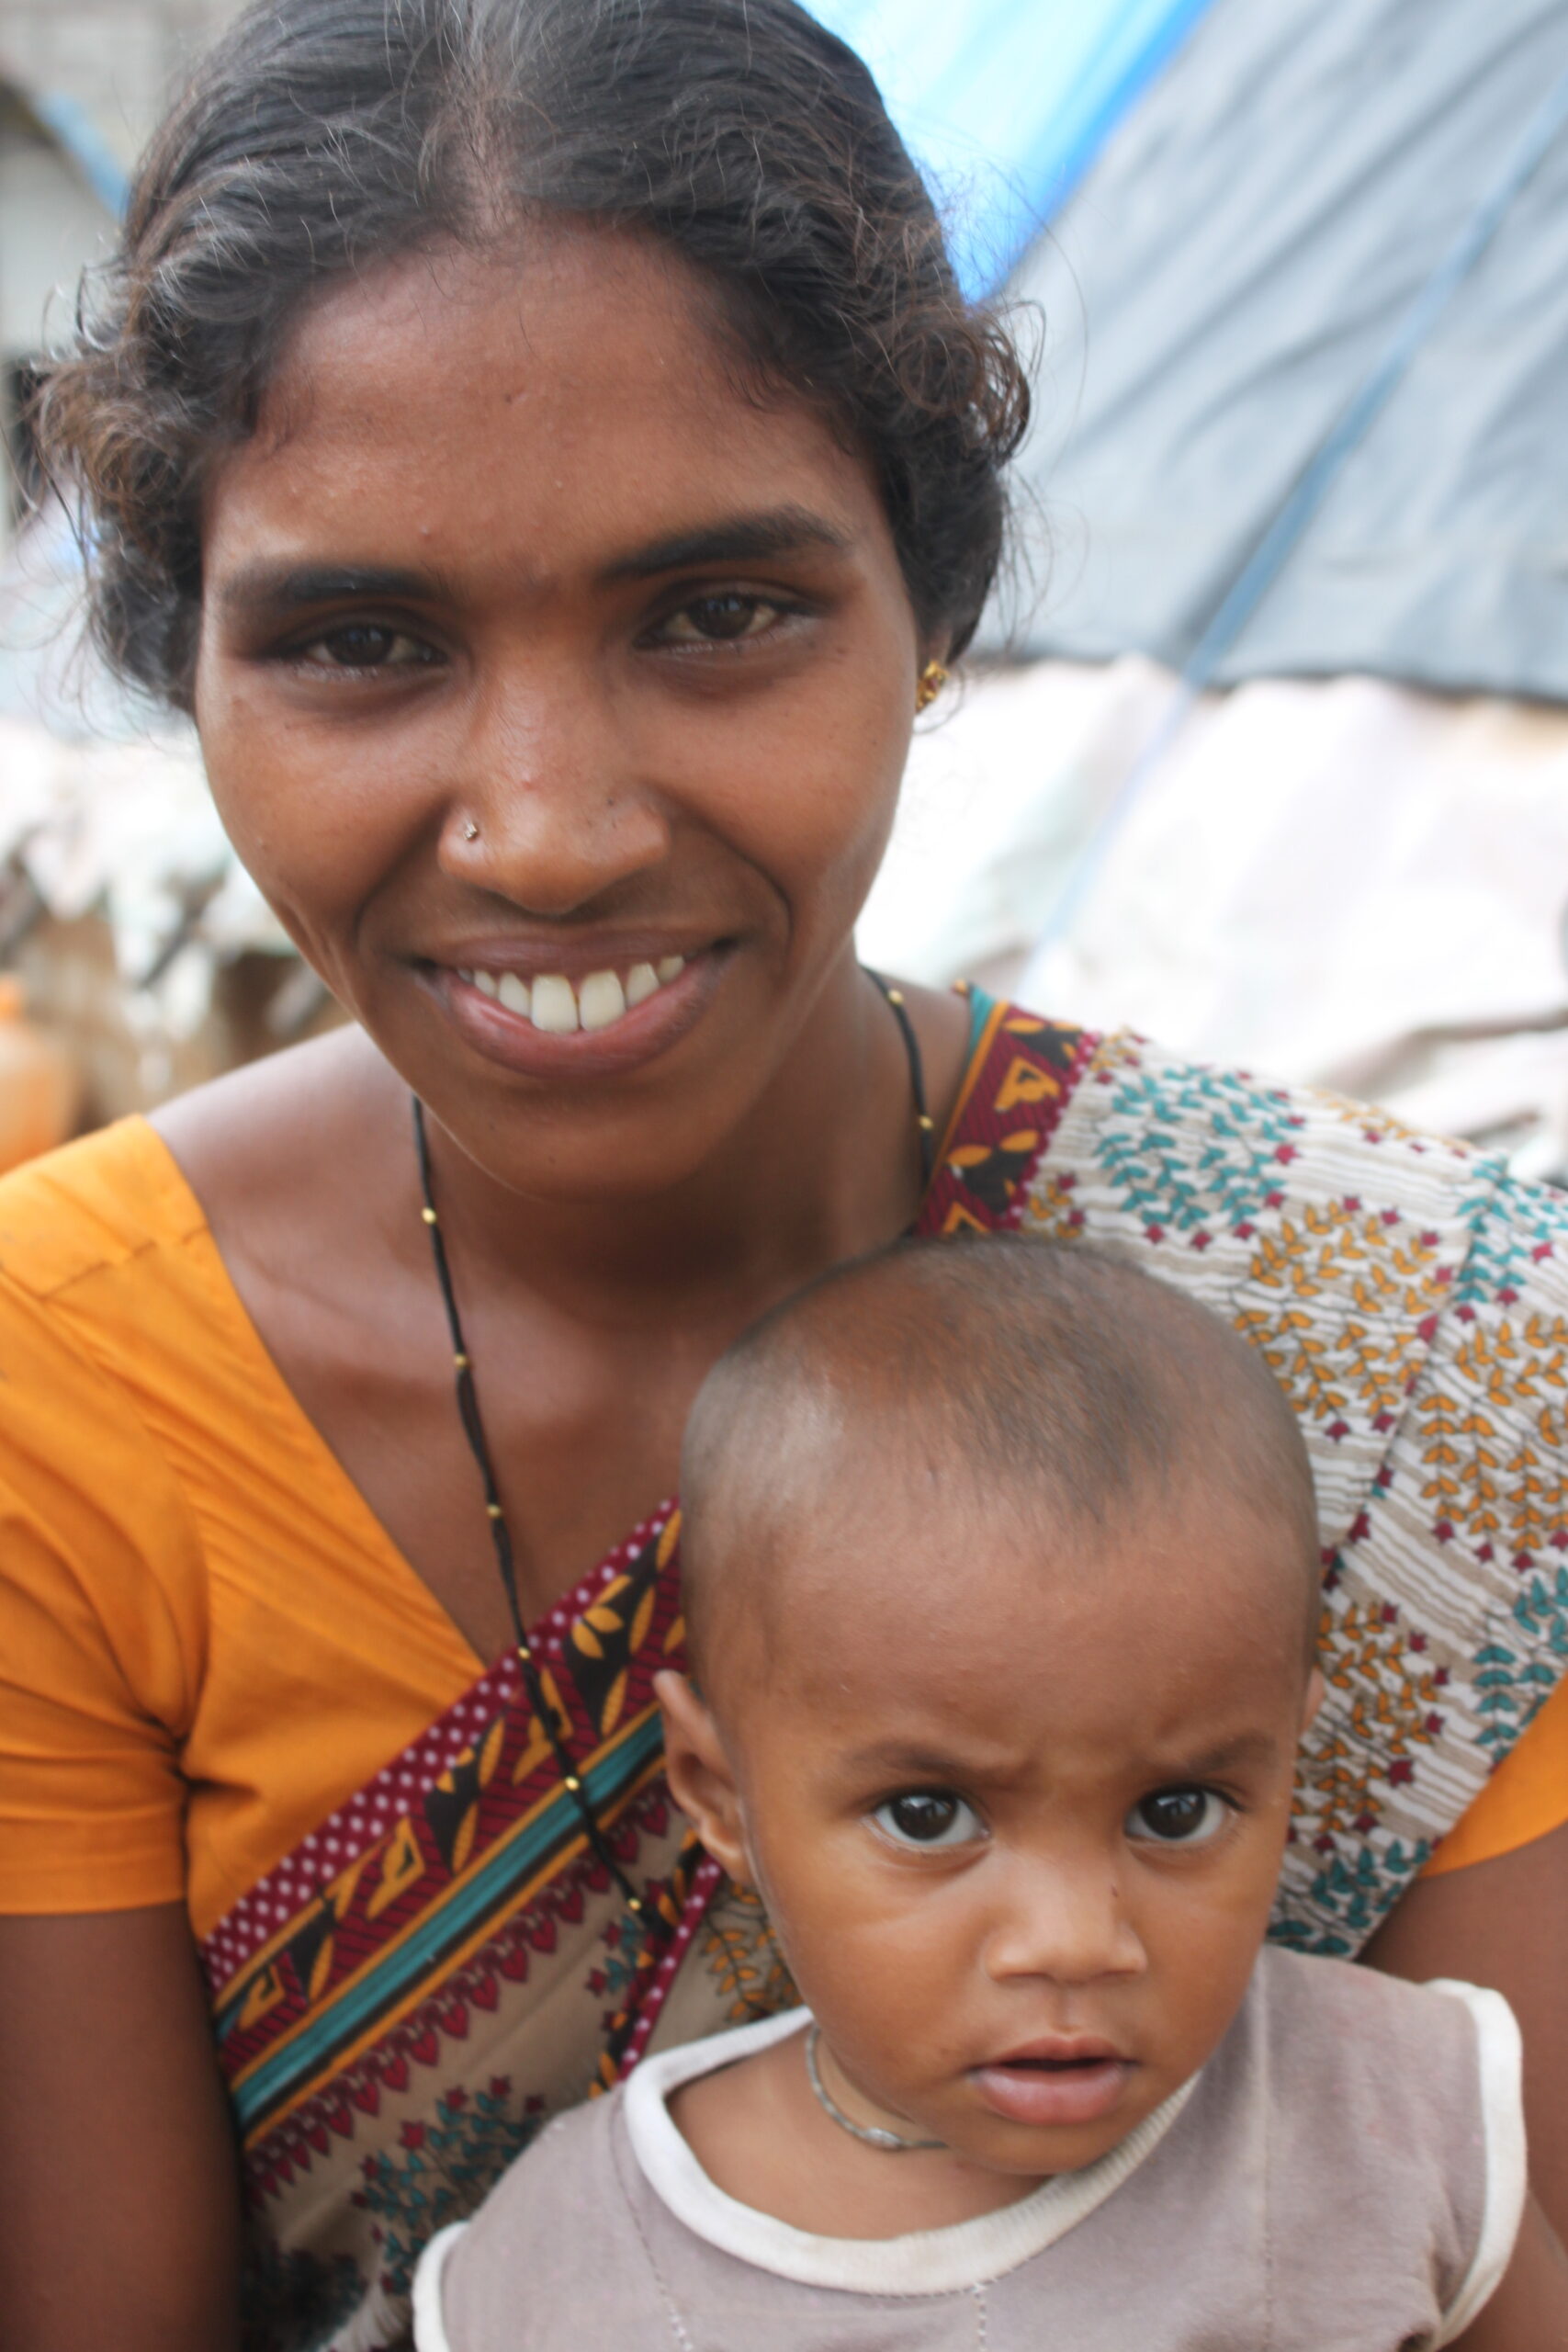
x=1314 y=1252
x=1364 y=1116
x=1389 y=1274
x=739 y=1950
x=1052 y=1208
x=1302 y=1361
x=1486 y=1475
x=1394 y=1706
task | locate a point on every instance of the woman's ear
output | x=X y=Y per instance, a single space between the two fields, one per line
x=701 y=1779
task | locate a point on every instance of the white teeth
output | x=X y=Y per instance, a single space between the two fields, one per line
x=601 y=999
x=555 y=1006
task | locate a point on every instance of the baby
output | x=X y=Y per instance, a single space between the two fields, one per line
x=1001 y=1576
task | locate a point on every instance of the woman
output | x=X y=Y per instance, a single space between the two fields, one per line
x=543 y=445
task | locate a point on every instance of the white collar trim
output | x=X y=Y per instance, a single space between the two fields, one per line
x=927 y=2262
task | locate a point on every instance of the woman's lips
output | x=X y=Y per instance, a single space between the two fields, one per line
x=1044 y=2092
x=560 y=1004
x=587 y=1024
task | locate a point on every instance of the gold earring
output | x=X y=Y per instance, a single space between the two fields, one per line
x=928 y=684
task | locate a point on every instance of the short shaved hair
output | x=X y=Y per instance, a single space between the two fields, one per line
x=1057 y=1378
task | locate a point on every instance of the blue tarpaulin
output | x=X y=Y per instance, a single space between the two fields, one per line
x=1006 y=103
x=1249 y=246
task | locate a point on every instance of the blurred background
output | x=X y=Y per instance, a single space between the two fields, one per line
x=1265 y=746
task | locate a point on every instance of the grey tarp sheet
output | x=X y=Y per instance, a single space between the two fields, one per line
x=1230 y=269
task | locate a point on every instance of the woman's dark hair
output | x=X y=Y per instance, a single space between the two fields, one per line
x=322 y=136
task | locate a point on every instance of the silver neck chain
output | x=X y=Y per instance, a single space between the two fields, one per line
x=892 y=2144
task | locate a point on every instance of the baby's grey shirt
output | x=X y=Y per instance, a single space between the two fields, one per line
x=1346 y=2170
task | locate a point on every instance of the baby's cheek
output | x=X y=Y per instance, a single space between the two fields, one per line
x=866 y=1969
x=1202 y=1985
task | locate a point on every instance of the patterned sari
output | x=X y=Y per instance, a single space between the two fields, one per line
x=440 y=1965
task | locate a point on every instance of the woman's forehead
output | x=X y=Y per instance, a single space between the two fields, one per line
x=575 y=386
x=547 y=292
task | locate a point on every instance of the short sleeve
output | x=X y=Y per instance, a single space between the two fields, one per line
x=1500 y=2065
x=101 y=1633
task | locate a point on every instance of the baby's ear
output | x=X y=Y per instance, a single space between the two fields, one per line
x=1313 y=1699
x=700 y=1777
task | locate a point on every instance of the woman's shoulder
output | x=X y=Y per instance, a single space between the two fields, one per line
x=244 y=1141
x=1191 y=1154
x=1358 y=1253
x=1411 y=1297
x=105 y=1317
x=1353 y=1250
x=143 y=1187
x=89 y=1207
x=117 y=1302
x=102 y=1291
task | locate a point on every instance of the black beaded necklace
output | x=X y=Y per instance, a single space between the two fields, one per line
x=558 y=1730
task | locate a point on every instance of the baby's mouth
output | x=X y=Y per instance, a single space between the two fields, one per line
x=1053 y=2083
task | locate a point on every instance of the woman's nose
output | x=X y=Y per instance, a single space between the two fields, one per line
x=548 y=807
x=1066 y=1921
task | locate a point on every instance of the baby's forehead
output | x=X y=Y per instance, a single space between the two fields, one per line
x=945 y=1585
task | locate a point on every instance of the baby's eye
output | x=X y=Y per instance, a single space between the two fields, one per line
x=929 y=1817
x=365 y=645
x=1179 y=1816
x=720 y=619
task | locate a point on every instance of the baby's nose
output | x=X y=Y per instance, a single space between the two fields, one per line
x=1066 y=1921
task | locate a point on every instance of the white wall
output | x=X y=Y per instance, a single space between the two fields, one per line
x=50 y=225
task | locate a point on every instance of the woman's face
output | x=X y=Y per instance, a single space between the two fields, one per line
x=556 y=689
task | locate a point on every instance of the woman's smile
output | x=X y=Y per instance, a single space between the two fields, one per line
x=587 y=1010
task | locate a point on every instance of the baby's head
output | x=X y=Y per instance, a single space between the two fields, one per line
x=1001 y=1574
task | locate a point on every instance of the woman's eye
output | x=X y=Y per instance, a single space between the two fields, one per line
x=929 y=1817
x=719 y=620
x=1179 y=1816
x=365 y=645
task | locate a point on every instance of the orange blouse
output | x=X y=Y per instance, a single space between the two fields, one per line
x=208 y=1641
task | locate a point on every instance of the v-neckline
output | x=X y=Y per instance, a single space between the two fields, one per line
x=350 y=1505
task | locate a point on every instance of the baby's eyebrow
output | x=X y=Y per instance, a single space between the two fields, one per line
x=1225 y=1756
x=908 y=1760
x=914 y=1759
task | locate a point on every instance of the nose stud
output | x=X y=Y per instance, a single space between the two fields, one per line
x=471 y=830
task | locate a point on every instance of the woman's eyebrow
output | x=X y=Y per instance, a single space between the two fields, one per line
x=270 y=589
x=733 y=538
